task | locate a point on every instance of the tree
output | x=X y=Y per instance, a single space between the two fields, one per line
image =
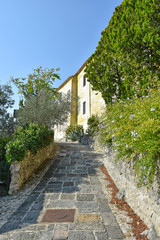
x=41 y=103
x=127 y=59
x=6 y=102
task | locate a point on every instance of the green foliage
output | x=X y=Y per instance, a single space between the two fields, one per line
x=93 y=125
x=133 y=129
x=74 y=132
x=6 y=122
x=44 y=110
x=29 y=137
x=3 y=163
x=39 y=79
x=3 y=143
x=41 y=102
x=127 y=59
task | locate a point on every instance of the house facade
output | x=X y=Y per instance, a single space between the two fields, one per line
x=84 y=102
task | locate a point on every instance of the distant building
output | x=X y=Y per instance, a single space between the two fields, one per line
x=15 y=114
x=84 y=102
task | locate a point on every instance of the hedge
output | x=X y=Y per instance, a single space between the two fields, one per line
x=29 y=137
x=132 y=128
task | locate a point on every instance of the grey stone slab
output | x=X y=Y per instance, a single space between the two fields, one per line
x=51 y=227
x=70 y=189
x=55 y=184
x=82 y=168
x=85 y=182
x=87 y=205
x=4 y=237
x=70 y=168
x=109 y=219
x=59 y=176
x=95 y=226
x=61 y=226
x=31 y=217
x=85 y=197
x=80 y=171
x=33 y=227
x=23 y=236
x=67 y=184
x=40 y=197
x=83 y=175
x=52 y=196
x=9 y=226
x=86 y=189
x=63 y=179
x=97 y=189
x=91 y=171
x=101 y=235
x=60 y=234
x=72 y=175
x=47 y=235
x=40 y=186
x=52 y=190
x=26 y=205
x=81 y=235
x=100 y=195
x=67 y=196
x=17 y=216
x=62 y=171
x=94 y=180
x=61 y=204
x=103 y=205
x=114 y=232
x=38 y=205
x=85 y=210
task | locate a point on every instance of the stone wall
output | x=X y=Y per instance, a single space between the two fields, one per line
x=22 y=171
x=145 y=202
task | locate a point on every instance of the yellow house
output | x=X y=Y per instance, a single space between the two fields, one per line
x=84 y=102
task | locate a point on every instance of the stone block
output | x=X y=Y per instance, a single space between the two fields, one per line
x=88 y=217
x=81 y=235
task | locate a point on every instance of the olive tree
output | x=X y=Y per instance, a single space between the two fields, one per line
x=41 y=102
x=6 y=102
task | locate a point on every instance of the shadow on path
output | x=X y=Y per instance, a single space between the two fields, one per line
x=69 y=170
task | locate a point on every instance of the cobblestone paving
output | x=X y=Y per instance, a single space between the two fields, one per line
x=71 y=182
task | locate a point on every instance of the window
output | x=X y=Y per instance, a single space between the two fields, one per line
x=84 y=81
x=84 y=108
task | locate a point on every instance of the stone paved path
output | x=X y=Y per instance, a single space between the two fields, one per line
x=68 y=203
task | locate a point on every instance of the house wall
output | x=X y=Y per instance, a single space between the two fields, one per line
x=59 y=130
x=97 y=103
x=83 y=96
x=94 y=102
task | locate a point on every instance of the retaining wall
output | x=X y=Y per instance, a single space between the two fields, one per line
x=145 y=202
x=22 y=171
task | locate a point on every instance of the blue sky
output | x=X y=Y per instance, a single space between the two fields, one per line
x=49 y=33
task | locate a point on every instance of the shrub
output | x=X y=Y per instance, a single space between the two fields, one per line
x=133 y=129
x=29 y=137
x=3 y=163
x=75 y=133
x=93 y=125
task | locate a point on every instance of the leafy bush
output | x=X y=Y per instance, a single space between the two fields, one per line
x=29 y=137
x=127 y=59
x=75 y=133
x=3 y=163
x=93 y=125
x=133 y=129
x=3 y=143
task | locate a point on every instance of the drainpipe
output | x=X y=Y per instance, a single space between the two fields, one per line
x=90 y=103
x=74 y=102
